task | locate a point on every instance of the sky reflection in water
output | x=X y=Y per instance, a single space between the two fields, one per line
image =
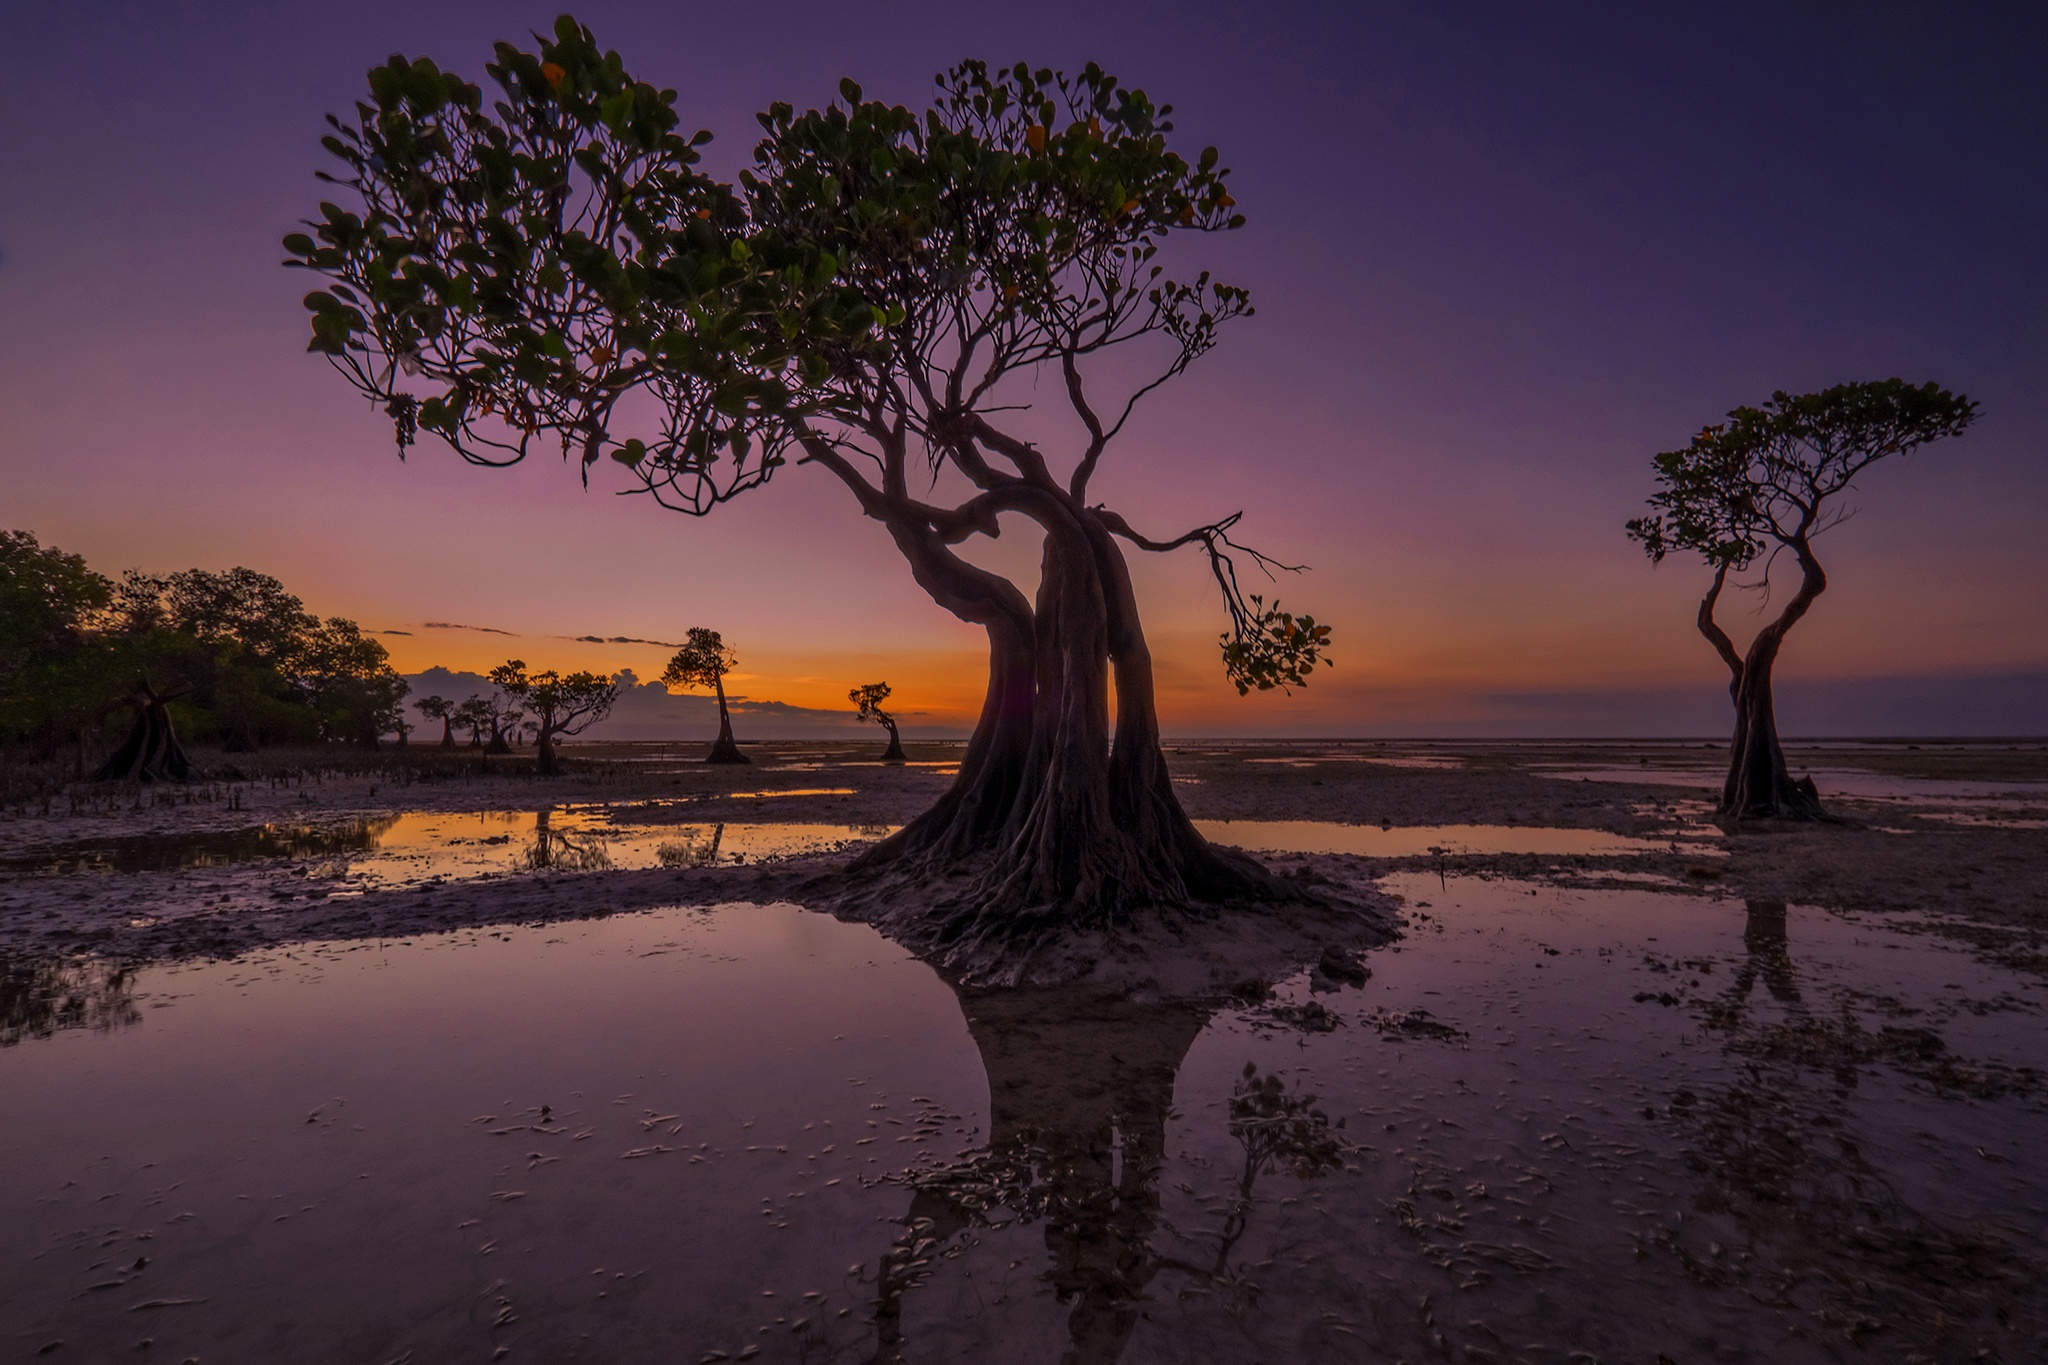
x=408 y=848
x=1614 y=1122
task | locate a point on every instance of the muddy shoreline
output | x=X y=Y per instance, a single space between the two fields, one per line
x=1976 y=864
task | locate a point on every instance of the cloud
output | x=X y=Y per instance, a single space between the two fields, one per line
x=394 y=632
x=456 y=625
x=618 y=640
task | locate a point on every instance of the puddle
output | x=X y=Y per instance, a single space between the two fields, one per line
x=1416 y=761
x=1415 y=841
x=1615 y=1123
x=401 y=850
x=789 y=791
x=218 y=848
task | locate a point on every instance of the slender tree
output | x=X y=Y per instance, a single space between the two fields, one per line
x=703 y=661
x=443 y=710
x=478 y=715
x=1765 y=482
x=562 y=704
x=882 y=292
x=868 y=699
x=505 y=715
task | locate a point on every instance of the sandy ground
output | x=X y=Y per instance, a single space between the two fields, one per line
x=1959 y=832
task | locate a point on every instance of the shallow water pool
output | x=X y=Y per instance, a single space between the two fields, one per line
x=1551 y=1122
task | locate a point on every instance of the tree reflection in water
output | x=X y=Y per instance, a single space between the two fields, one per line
x=40 y=995
x=560 y=850
x=1829 y=1235
x=691 y=850
x=1080 y=1090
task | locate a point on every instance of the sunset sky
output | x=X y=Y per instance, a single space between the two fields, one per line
x=1501 y=255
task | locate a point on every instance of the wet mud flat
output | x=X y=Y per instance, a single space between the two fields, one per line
x=561 y=1071
x=409 y=842
x=1549 y=1124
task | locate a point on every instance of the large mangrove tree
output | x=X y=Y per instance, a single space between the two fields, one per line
x=878 y=299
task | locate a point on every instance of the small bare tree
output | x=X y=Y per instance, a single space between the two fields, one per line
x=1765 y=482
x=703 y=661
x=868 y=698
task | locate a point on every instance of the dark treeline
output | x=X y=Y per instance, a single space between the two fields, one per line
x=244 y=663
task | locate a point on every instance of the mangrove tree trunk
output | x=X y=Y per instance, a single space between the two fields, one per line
x=152 y=751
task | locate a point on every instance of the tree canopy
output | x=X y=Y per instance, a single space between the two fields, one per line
x=247 y=664
x=703 y=661
x=867 y=700
x=1768 y=476
x=518 y=268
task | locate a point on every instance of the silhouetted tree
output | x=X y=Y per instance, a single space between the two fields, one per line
x=885 y=285
x=240 y=643
x=443 y=710
x=152 y=752
x=1765 y=481
x=561 y=704
x=703 y=661
x=868 y=699
x=356 y=693
x=478 y=715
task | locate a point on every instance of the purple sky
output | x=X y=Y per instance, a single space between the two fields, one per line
x=1500 y=258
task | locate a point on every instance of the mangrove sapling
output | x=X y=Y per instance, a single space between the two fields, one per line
x=1768 y=481
x=868 y=699
x=562 y=704
x=703 y=661
x=881 y=291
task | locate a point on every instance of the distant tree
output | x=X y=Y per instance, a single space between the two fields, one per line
x=505 y=715
x=478 y=715
x=443 y=710
x=868 y=699
x=54 y=668
x=350 y=683
x=703 y=661
x=1764 y=482
x=562 y=704
x=242 y=647
x=882 y=289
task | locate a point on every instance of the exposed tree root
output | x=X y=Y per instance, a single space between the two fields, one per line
x=971 y=921
x=152 y=751
x=724 y=750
